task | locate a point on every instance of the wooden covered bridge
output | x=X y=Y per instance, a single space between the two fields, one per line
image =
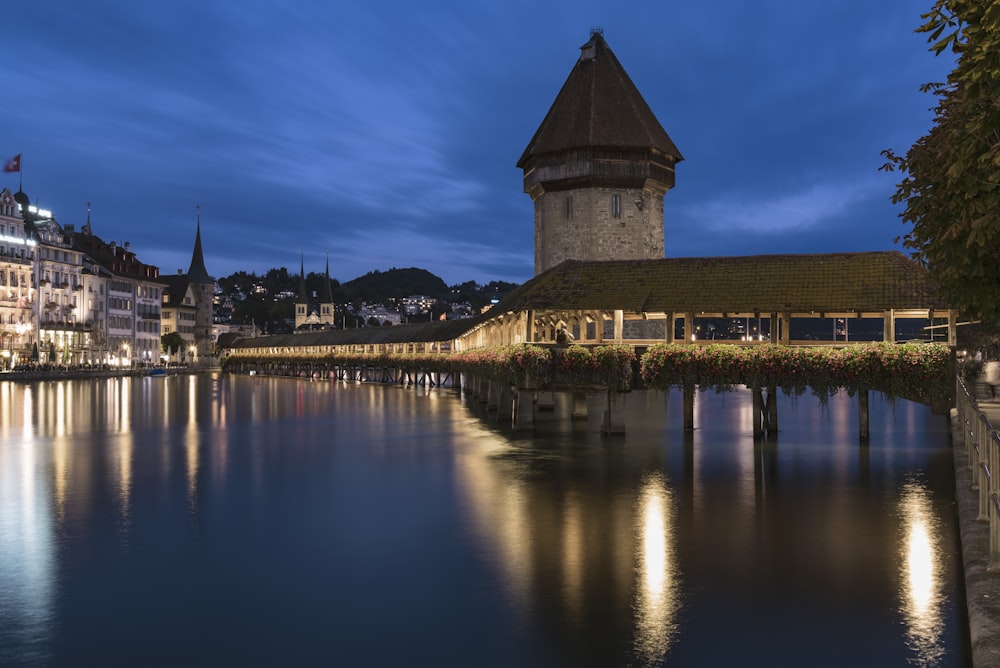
x=647 y=301
x=867 y=296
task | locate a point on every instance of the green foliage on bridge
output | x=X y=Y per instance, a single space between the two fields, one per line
x=921 y=372
x=916 y=371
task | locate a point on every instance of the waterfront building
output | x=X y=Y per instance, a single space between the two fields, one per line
x=187 y=306
x=179 y=313
x=122 y=300
x=64 y=331
x=598 y=167
x=18 y=326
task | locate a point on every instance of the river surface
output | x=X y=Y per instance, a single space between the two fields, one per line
x=213 y=520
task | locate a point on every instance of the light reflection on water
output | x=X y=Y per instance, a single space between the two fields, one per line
x=315 y=513
x=920 y=565
x=658 y=590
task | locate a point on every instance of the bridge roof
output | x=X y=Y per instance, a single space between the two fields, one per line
x=795 y=284
x=425 y=332
x=833 y=282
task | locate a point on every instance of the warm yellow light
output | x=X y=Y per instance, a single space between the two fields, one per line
x=921 y=598
x=658 y=587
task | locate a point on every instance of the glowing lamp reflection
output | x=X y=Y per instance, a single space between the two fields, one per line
x=921 y=598
x=658 y=587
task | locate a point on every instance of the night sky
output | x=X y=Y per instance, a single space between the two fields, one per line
x=386 y=133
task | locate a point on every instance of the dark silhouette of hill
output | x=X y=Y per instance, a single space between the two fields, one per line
x=395 y=284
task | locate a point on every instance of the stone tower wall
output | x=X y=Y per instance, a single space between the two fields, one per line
x=580 y=224
x=204 y=294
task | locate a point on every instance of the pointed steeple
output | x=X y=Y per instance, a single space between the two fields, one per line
x=327 y=296
x=303 y=292
x=197 y=273
x=87 y=229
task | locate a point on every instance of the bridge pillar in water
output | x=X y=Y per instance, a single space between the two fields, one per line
x=772 y=409
x=614 y=413
x=688 y=406
x=863 y=422
x=505 y=402
x=524 y=409
x=765 y=410
x=545 y=401
x=492 y=395
x=579 y=406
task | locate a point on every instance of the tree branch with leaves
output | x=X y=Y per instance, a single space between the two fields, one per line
x=951 y=182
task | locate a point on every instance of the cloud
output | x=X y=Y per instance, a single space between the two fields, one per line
x=799 y=211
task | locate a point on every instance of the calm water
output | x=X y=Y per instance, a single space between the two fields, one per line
x=239 y=521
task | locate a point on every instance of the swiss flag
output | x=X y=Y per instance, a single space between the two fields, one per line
x=13 y=164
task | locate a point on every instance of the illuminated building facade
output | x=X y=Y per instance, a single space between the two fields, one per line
x=18 y=326
x=64 y=331
x=120 y=297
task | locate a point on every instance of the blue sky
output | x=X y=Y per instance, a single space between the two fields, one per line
x=386 y=133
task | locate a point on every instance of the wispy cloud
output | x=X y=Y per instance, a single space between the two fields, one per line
x=799 y=210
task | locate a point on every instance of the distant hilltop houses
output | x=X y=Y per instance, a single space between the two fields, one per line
x=69 y=298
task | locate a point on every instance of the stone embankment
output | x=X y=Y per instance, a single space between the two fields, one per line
x=63 y=373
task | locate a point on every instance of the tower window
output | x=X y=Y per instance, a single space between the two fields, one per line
x=616 y=206
x=569 y=208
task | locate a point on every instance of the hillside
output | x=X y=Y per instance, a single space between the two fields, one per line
x=395 y=283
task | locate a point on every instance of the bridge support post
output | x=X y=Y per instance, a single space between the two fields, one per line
x=579 y=406
x=614 y=413
x=688 y=406
x=772 y=409
x=863 y=422
x=758 y=401
x=524 y=409
x=505 y=402
x=492 y=394
x=545 y=401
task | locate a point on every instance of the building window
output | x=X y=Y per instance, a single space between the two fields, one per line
x=569 y=208
x=616 y=206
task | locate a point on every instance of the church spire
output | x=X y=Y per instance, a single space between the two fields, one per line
x=303 y=292
x=327 y=288
x=87 y=229
x=197 y=273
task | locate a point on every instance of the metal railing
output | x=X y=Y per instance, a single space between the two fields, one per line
x=982 y=445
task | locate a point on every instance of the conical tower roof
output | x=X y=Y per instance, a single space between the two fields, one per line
x=598 y=106
x=197 y=273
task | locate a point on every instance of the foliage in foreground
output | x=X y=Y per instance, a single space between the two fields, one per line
x=951 y=184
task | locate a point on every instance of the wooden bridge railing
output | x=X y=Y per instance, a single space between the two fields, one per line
x=982 y=443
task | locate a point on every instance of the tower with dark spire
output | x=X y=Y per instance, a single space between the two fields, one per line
x=302 y=303
x=598 y=167
x=326 y=307
x=203 y=287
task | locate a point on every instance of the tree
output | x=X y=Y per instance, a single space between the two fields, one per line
x=171 y=343
x=951 y=187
